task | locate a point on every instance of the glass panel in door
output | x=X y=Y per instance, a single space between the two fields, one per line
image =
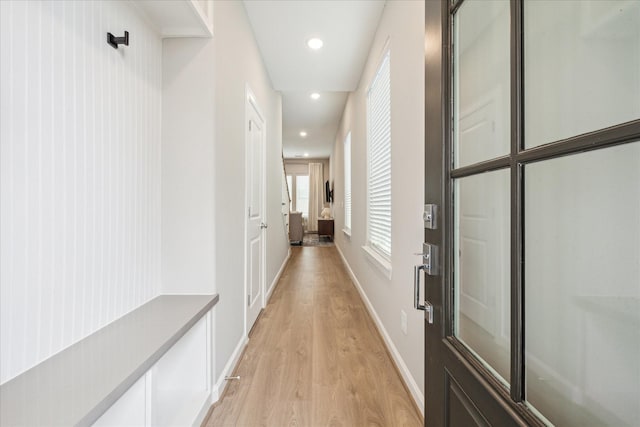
x=482 y=272
x=582 y=67
x=582 y=287
x=481 y=81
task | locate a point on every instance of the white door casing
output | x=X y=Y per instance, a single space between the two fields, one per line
x=255 y=139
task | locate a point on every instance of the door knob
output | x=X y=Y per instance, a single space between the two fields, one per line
x=263 y=225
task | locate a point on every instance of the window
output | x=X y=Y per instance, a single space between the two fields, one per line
x=347 y=184
x=302 y=194
x=299 y=191
x=379 y=161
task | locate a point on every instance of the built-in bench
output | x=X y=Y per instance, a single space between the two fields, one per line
x=78 y=385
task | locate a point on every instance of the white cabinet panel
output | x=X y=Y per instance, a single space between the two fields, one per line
x=180 y=384
x=129 y=410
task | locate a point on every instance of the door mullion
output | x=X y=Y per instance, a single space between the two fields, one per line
x=517 y=282
x=517 y=208
x=454 y=5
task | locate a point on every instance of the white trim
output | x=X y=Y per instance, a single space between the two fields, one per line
x=417 y=395
x=278 y=275
x=206 y=403
x=347 y=232
x=385 y=48
x=210 y=355
x=148 y=396
x=378 y=260
x=204 y=410
x=221 y=384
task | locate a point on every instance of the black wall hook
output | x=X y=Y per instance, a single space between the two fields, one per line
x=115 y=41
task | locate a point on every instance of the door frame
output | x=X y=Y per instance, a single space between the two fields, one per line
x=251 y=104
x=451 y=370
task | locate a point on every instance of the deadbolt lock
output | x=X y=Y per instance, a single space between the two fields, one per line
x=430 y=216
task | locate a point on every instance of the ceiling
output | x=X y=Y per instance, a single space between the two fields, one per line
x=282 y=29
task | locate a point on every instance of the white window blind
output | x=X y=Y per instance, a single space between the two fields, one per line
x=379 y=160
x=347 y=182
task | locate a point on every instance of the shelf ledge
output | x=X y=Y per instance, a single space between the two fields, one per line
x=178 y=18
x=76 y=386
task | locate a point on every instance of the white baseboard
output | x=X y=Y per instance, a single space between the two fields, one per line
x=204 y=410
x=275 y=279
x=221 y=383
x=417 y=395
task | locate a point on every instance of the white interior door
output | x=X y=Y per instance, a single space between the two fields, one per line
x=483 y=209
x=256 y=221
x=482 y=241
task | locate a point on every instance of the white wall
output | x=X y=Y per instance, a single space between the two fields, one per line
x=301 y=166
x=403 y=23
x=277 y=234
x=80 y=174
x=89 y=187
x=188 y=164
x=238 y=63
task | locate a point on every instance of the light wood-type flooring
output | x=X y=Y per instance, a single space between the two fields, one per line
x=315 y=357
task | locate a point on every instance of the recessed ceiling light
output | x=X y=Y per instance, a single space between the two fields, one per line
x=315 y=43
x=315 y=95
x=303 y=134
x=306 y=154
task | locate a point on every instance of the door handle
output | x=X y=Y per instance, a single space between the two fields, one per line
x=263 y=225
x=427 y=306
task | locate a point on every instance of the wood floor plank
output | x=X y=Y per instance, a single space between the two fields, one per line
x=315 y=357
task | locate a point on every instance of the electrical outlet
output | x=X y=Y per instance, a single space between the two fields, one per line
x=403 y=321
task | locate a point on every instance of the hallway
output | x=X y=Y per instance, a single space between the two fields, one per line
x=315 y=357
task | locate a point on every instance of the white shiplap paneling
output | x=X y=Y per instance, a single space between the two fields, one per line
x=80 y=173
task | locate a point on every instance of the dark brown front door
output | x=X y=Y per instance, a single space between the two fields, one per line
x=533 y=159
